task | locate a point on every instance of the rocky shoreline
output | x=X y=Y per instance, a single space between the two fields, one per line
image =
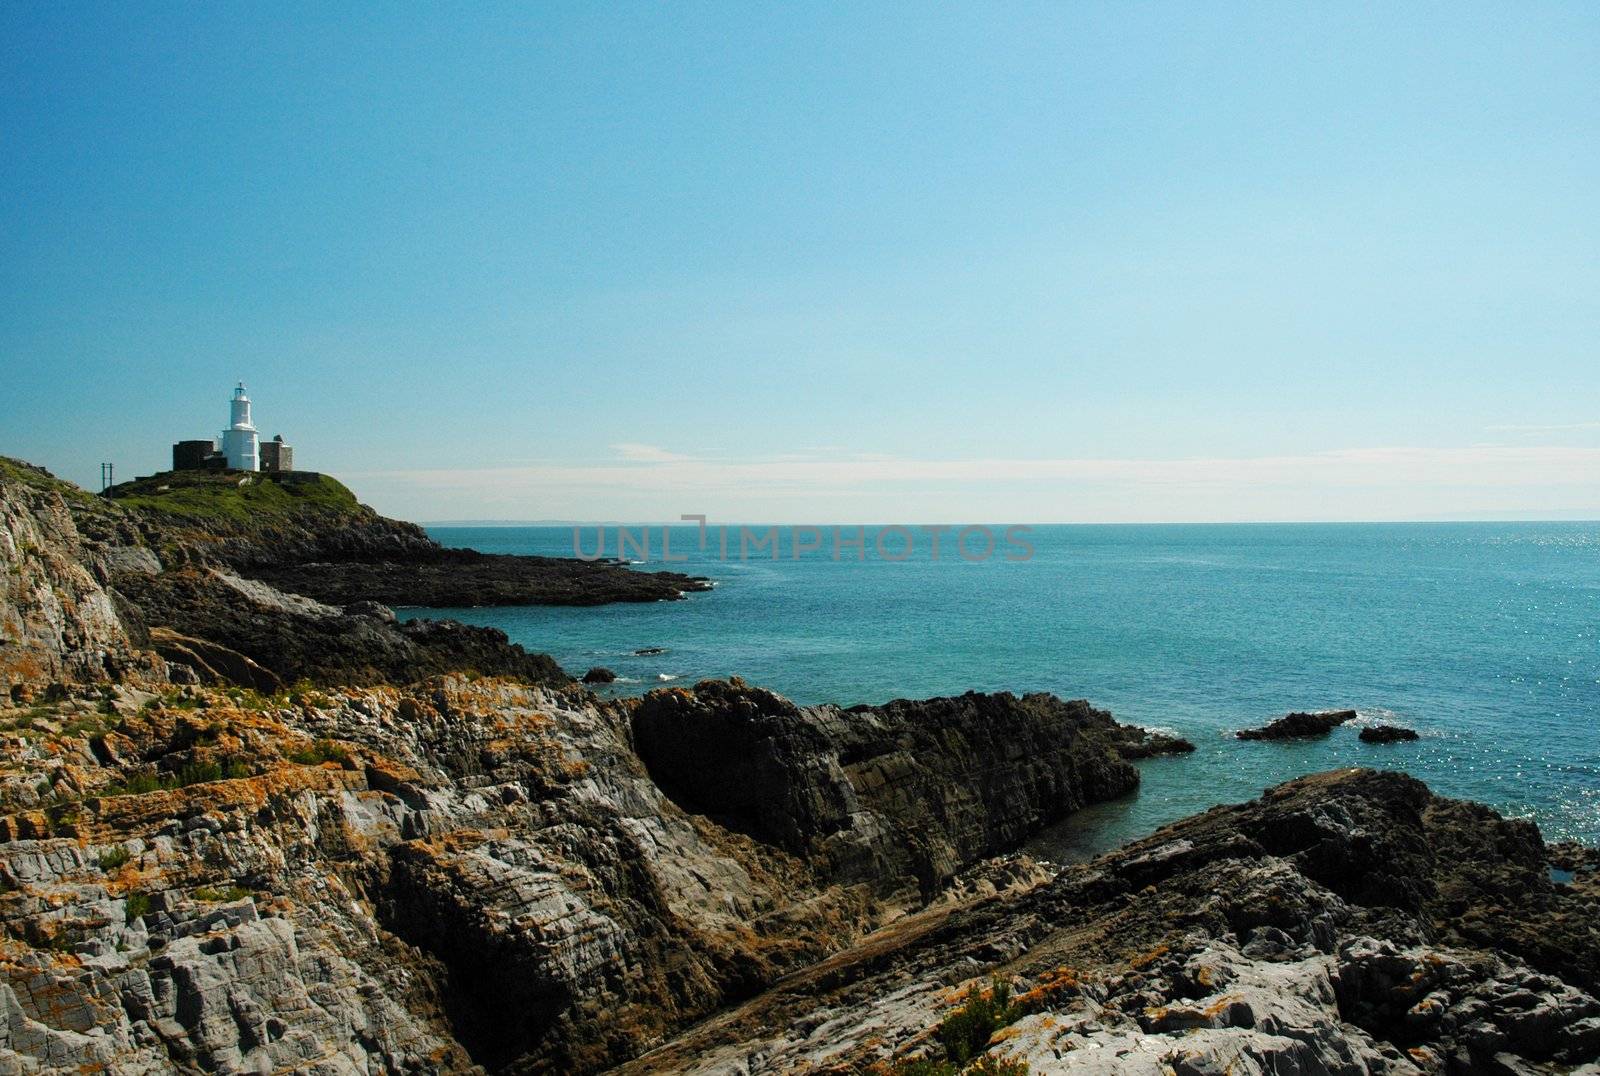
x=305 y=533
x=181 y=565
x=154 y=843
x=1348 y=922
x=244 y=828
x=466 y=578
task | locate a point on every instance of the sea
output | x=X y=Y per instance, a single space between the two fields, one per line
x=1483 y=637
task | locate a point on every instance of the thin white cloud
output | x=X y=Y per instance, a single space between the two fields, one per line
x=637 y=453
x=1473 y=465
x=1395 y=482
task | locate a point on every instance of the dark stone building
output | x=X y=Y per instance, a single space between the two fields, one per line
x=277 y=456
x=197 y=456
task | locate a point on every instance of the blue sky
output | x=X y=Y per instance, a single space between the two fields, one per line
x=818 y=262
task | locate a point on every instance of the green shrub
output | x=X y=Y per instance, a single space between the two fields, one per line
x=195 y=773
x=83 y=727
x=322 y=751
x=137 y=785
x=113 y=858
x=199 y=773
x=59 y=942
x=965 y=1033
x=138 y=904
x=250 y=699
x=215 y=895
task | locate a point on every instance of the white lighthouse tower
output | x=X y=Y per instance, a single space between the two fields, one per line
x=240 y=442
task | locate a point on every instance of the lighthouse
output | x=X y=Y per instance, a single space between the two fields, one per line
x=240 y=443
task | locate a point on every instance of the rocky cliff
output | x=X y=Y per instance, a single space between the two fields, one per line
x=58 y=619
x=1348 y=922
x=310 y=838
x=909 y=790
x=452 y=874
x=171 y=575
x=307 y=534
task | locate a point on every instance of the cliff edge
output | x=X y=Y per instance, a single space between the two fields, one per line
x=257 y=580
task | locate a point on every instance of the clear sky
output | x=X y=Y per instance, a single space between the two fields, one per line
x=818 y=262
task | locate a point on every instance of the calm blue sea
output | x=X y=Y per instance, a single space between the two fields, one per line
x=1484 y=637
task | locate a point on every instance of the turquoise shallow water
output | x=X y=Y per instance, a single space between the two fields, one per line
x=1483 y=637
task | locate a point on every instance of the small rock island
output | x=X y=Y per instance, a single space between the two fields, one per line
x=1299 y=726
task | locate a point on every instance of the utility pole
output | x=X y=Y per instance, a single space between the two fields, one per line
x=105 y=477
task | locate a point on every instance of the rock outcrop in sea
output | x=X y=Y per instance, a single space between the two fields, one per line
x=1386 y=734
x=880 y=794
x=244 y=829
x=1299 y=726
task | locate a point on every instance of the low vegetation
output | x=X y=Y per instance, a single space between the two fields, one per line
x=213 y=497
x=138 y=904
x=193 y=773
x=38 y=478
x=212 y=894
x=322 y=751
x=965 y=1034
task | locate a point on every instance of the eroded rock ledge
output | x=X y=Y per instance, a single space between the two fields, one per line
x=148 y=586
x=306 y=533
x=1347 y=923
x=882 y=793
x=469 y=872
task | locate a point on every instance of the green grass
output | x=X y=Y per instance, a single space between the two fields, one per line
x=219 y=497
x=320 y=752
x=199 y=773
x=138 y=904
x=139 y=784
x=113 y=858
x=195 y=773
x=59 y=942
x=965 y=1033
x=38 y=478
x=214 y=895
x=89 y=725
x=246 y=698
x=983 y=1066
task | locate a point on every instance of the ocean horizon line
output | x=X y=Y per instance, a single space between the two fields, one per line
x=1441 y=520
